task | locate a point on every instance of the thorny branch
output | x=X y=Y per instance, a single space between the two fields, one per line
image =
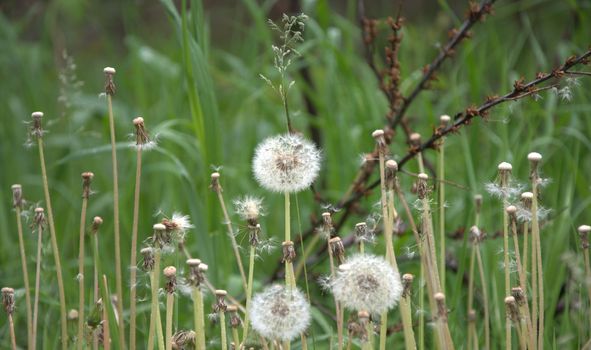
x=350 y=201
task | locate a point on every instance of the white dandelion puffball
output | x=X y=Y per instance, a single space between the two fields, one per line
x=367 y=282
x=286 y=163
x=249 y=208
x=278 y=313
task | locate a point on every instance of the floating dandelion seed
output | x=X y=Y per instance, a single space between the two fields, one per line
x=278 y=313
x=286 y=163
x=367 y=282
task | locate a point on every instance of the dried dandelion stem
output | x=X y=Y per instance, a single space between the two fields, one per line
x=18 y=202
x=444 y=122
x=110 y=91
x=96 y=223
x=170 y=274
x=217 y=188
x=584 y=236
x=535 y=159
x=338 y=309
x=39 y=221
x=485 y=298
x=221 y=307
x=86 y=179
x=54 y=247
x=406 y=312
x=504 y=172
x=138 y=122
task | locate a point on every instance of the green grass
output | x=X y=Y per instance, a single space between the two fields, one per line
x=205 y=101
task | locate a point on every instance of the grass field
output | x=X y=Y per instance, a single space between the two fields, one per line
x=195 y=79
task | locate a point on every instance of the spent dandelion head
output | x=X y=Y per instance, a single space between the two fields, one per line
x=86 y=180
x=195 y=275
x=36 y=129
x=534 y=161
x=423 y=188
x=215 y=182
x=363 y=233
x=441 y=308
x=177 y=227
x=235 y=320
x=476 y=235
x=584 y=235
x=161 y=236
x=17 y=196
x=367 y=282
x=72 y=315
x=170 y=274
x=415 y=140
x=326 y=229
x=184 y=340
x=39 y=218
x=289 y=253
x=337 y=249
x=147 y=259
x=109 y=83
x=97 y=221
x=141 y=136
x=407 y=280
x=8 y=300
x=380 y=139
x=280 y=313
x=391 y=173
x=286 y=163
x=220 y=301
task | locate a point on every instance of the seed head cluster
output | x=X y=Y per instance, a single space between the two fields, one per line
x=278 y=313
x=367 y=282
x=286 y=163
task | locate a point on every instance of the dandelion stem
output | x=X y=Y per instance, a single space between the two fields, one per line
x=169 y=310
x=232 y=237
x=95 y=262
x=198 y=317
x=37 y=283
x=54 y=248
x=106 y=316
x=338 y=310
x=19 y=224
x=441 y=176
x=133 y=263
x=536 y=238
x=248 y=293
x=155 y=305
x=118 y=278
x=12 y=334
x=81 y=291
x=484 y=297
x=222 y=316
x=236 y=338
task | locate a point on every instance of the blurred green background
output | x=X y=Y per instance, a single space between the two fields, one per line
x=198 y=87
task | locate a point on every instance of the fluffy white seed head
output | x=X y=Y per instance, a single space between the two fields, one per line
x=534 y=157
x=278 y=313
x=286 y=163
x=505 y=166
x=367 y=282
x=249 y=208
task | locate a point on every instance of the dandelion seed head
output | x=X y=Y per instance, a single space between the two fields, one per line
x=249 y=208
x=534 y=157
x=584 y=229
x=367 y=282
x=286 y=163
x=278 y=313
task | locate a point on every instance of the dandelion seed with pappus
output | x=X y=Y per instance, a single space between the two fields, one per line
x=280 y=313
x=367 y=282
x=286 y=163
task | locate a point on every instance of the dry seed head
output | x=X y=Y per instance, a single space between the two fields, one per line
x=148 y=256
x=367 y=282
x=584 y=229
x=504 y=166
x=512 y=309
x=160 y=238
x=97 y=221
x=8 y=300
x=444 y=119
x=511 y=209
x=338 y=249
x=138 y=121
x=519 y=295
x=169 y=272
x=220 y=304
x=407 y=280
x=249 y=208
x=215 y=182
x=203 y=267
x=193 y=262
x=86 y=180
x=109 y=84
x=72 y=314
x=584 y=235
x=286 y=163
x=142 y=138
x=415 y=138
x=36 y=129
x=476 y=235
x=289 y=253
x=422 y=187
x=534 y=157
x=392 y=165
x=441 y=308
x=280 y=313
x=184 y=340
x=17 y=196
x=363 y=315
x=235 y=320
x=378 y=135
x=109 y=70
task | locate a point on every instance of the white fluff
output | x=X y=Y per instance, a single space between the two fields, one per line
x=286 y=163
x=280 y=314
x=368 y=283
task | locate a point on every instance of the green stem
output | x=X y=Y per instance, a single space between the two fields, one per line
x=223 y=335
x=12 y=334
x=169 y=310
x=485 y=298
x=95 y=262
x=236 y=338
x=54 y=248
x=133 y=263
x=81 y=291
x=441 y=175
x=21 y=243
x=37 y=285
x=248 y=294
x=198 y=317
x=118 y=279
x=536 y=237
